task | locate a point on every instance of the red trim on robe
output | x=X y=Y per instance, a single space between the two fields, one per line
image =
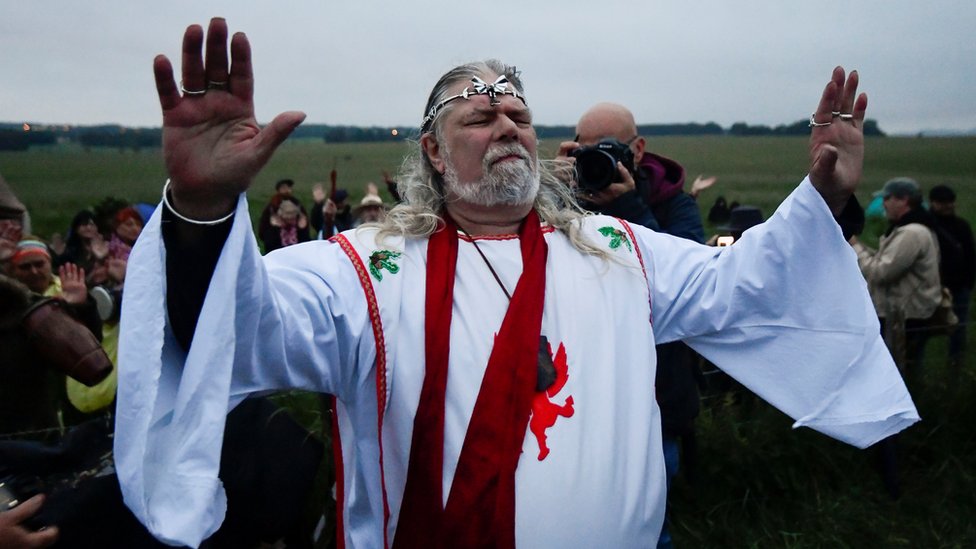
x=640 y=257
x=546 y=229
x=377 y=323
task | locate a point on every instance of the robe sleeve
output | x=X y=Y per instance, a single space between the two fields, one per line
x=292 y=319
x=785 y=311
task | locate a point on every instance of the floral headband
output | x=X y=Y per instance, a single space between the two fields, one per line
x=493 y=90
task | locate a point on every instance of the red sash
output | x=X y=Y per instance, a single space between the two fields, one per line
x=480 y=509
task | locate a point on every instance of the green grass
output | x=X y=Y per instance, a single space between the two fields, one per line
x=759 y=483
x=57 y=181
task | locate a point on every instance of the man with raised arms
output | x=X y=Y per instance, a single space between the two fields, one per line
x=488 y=343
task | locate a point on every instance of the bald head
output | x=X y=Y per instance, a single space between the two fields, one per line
x=610 y=121
x=606 y=120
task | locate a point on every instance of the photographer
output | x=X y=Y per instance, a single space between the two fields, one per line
x=616 y=176
x=647 y=189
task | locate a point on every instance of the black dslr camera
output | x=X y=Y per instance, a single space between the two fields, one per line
x=596 y=165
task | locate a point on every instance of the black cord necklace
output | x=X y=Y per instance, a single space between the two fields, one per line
x=545 y=370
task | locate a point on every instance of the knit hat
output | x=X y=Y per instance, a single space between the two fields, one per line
x=28 y=247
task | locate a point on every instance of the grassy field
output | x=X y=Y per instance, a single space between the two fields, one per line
x=57 y=181
x=758 y=484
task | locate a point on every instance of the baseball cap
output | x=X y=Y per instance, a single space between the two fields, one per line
x=900 y=186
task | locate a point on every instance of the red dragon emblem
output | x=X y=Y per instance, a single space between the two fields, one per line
x=544 y=411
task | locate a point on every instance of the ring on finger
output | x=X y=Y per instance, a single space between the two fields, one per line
x=214 y=85
x=191 y=92
x=846 y=116
x=835 y=114
x=815 y=124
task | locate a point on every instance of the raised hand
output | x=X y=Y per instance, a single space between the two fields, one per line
x=73 y=287
x=116 y=269
x=212 y=144
x=329 y=209
x=318 y=193
x=10 y=234
x=837 y=140
x=57 y=244
x=99 y=248
x=700 y=184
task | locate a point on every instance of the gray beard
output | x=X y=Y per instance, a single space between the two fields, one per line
x=505 y=184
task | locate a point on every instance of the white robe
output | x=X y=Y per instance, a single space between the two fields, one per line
x=785 y=311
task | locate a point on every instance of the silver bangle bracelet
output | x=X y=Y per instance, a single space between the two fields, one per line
x=187 y=219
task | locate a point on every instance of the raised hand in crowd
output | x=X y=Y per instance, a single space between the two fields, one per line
x=10 y=235
x=212 y=144
x=73 y=287
x=329 y=210
x=837 y=140
x=700 y=184
x=13 y=535
x=318 y=193
x=57 y=244
x=116 y=269
x=391 y=185
x=99 y=247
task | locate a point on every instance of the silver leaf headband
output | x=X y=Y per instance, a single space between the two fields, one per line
x=493 y=90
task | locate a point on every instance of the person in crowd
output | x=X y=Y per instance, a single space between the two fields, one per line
x=739 y=220
x=489 y=345
x=371 y=209
x=288 y=226
x=31 y=388
x=86 y=248
x=330 y=215
x=283 y=188
x=31 y=265
x=655 y=195
x=12 y=213
x=903 y=273
x=391 y=186
x=126 y=229
x=719 y=212
x=650 y=192
x=903 y=280
x=31 y=394
x=958 y=264
x=57 y=244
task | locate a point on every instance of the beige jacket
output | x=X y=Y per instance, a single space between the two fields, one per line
x=903 y=274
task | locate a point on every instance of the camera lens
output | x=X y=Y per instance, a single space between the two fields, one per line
x=595 y=169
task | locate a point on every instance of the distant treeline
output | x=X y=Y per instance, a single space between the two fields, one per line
x=19 y=137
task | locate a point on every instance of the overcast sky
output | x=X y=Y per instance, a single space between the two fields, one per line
x=365 y=62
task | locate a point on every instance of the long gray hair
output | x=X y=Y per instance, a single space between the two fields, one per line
x=421 y=186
